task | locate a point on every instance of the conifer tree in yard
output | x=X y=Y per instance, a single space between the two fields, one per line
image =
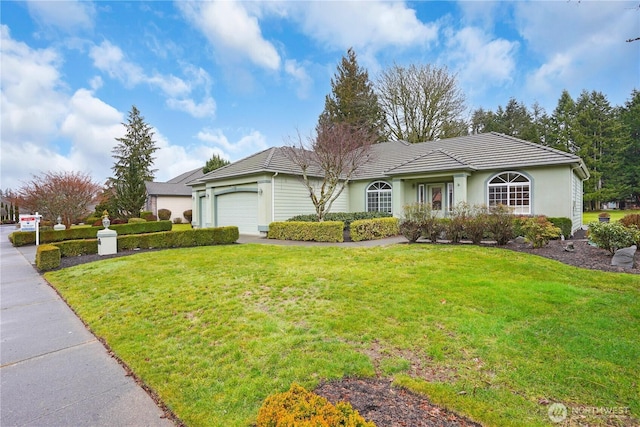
x=352 y=100
x=215 y=162
x=133 y=165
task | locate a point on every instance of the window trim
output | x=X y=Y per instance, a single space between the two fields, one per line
x=379 y=191
x=511 y=187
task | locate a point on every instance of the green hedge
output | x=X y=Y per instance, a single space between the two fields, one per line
x=23 y=238
x=564 y=224
x=47 y=257
x=326 y=231
x=346 y=217
x=166 y=239
x=373 y=229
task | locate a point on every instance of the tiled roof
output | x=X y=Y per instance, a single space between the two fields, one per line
x=176 y=186
x=489 y=151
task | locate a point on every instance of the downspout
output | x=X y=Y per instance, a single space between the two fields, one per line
x=273 y=197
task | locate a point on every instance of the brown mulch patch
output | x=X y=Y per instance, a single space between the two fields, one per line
x=389 y=406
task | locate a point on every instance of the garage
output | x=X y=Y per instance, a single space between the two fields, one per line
x=239 y=209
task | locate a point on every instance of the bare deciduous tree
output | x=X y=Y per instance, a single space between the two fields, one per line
x=421 y=103
x=328 y=161
x=53 y=194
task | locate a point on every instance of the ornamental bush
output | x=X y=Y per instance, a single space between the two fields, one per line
x=630 y=220
x=612 y=235
x=455 y=224
x=188 y=215
x=538 y=231
x=345 y=217
x=373 y=229
x=475 y=228
x=564 y=224
x=500 y=224
x=301 y=408
x=47 y=257
x=164 y=214
x=326 y=231
x=135 y=220
x=419 y=220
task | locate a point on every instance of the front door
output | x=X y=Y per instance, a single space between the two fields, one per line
x=435 y=196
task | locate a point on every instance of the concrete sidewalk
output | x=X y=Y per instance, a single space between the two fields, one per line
x=53 y=372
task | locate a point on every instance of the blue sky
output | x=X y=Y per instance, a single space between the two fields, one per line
x=234 y=78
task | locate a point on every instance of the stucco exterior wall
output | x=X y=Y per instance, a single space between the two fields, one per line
x=291 y=198
x=176 y=204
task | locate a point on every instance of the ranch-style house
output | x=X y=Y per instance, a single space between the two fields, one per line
x=488 y=169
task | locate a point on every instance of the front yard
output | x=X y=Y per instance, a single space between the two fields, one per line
x=496 y=335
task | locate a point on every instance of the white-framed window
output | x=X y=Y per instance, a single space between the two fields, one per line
x=379 y=197
x=511 y=189
x=422 y=195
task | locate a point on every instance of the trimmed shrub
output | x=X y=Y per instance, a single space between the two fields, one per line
x=301 y=408
x=47 y=257
x=71 y=248
x=145 y=214
x=612 y=236
x=420 y=215
x=22 y=238
x=538 y=231
x=564 y=224
x=164 y=214
x=345 y=217
x=151 y=217
x=326 y=231
x=188 y=215
x=500 y=224
x=91 y=219
x=630 y=220
x=177 y=220
x=136 y=220
x=373 y=229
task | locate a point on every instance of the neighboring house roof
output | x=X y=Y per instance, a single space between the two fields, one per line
x=175 y=186
x=489 y=151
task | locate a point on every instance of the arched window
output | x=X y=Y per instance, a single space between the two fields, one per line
x=511 y=189
x=379 y=197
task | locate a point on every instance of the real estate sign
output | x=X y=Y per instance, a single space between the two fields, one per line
x=28 y=222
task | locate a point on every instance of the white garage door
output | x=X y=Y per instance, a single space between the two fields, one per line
x=239 y=209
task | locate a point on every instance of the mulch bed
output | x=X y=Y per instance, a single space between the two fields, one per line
x=389 y=406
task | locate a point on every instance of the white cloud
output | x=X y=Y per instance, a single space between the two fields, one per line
x=300 y=76
x=67 y=15
x=365 y=26
x=480 y=60
x=247 y=144
x=580 y=46
x=232 y=31
x=111 y=60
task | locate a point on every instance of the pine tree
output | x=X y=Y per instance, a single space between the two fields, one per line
x=133 y=165
x=562 y=122
x=215 y=162
x=627 y=173
x=352 y=99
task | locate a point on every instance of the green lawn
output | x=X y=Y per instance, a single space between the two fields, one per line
x=215 y=330
x=590 y=216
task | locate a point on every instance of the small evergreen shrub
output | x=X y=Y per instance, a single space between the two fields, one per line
x=612 y=236
x=500 y=224
x=164 y=214
x=301 y=408
x=177 y=220
x=136 y=220
x=47 y=257
x=91 y=219
x=538 y=231
x=188 y=215
x=564 y=224
x=345 y=217
x=145 y=214
x=326 y=231
x=373 y=229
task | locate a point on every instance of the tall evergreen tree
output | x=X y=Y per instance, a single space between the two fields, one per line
x=133 y=165
x=562 y=122
x=214 y=163
x=627 y=173
x=596 y=132
x=352 y=99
